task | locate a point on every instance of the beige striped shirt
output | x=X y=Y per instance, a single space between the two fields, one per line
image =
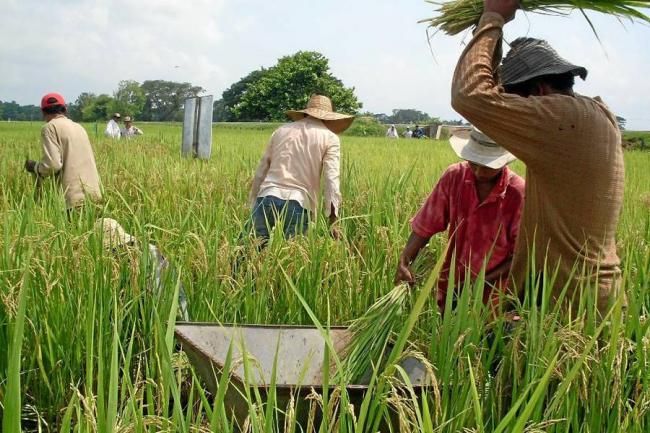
x=571 y=146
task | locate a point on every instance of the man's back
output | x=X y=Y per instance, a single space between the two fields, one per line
x=574 y=195
x=68 y=153
x=113 y=129
x=298 y=152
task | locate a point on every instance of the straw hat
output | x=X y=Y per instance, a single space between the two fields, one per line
x=128 y=119
x=530 y=58
x=114 y=234
x=320 y=107
x=476 y=147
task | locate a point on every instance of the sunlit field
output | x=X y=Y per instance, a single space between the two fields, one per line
x=89 y=348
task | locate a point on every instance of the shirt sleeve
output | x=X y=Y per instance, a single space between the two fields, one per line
x=332 y=174
x=433 y=216
x=519 y=124
x=52 y=160
x=260 y=173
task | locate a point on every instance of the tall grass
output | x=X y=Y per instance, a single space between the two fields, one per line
x=96 y=353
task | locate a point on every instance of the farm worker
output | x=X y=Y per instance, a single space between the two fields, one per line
x=113 y=128
x=67 y=154
x=392 y=132
x=115 y=239
x=130 y=130
x=571 y=146
x=288 y=179
x=408 y=133
x=479 y=203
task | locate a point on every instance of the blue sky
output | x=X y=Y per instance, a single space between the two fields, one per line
x=376 y=46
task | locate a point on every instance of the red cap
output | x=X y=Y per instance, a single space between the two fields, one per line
x=52 y=99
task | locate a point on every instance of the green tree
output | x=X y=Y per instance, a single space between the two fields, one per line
x=409 y=115
x=231 y=97
x=98 y=109
x=129 y=98
x=164 y=99
x=75 y=110
x=266 y=94
x=14 y=111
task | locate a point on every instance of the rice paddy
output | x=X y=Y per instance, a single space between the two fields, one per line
x=90 y=348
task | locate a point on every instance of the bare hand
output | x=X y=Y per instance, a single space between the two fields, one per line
x=336 y=233
x=30 y=166
x=506 y=8
x=404 y=274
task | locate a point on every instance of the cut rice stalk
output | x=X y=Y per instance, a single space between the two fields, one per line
x=371 y=334
x=459 y=15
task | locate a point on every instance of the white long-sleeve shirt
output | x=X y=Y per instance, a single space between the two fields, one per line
x=296 y=156
x=113 y=129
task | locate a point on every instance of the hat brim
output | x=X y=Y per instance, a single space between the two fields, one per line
x=335 y=122
x=469 y=150
x=577 y=71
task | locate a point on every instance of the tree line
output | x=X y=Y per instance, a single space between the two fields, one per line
x=264 y=94
x=153 y=100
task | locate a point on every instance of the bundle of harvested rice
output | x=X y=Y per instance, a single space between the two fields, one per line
x=459 y=15
x=371 y=334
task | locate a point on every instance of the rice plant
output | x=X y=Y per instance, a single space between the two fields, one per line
x=96 y=353
x=456 y=16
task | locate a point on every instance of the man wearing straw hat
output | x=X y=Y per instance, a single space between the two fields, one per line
x=479 y=203
x=287 y=182
x=571 y=146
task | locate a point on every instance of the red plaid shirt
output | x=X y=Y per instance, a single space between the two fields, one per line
x=476 y=230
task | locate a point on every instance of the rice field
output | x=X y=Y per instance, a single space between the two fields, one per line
x=89 y=348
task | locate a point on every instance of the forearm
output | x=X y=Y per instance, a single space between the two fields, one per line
x=474 y=78
x=413 y=247
x=260 y=175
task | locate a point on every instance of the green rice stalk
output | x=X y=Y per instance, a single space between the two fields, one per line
x=456 y=16
x=371 y=333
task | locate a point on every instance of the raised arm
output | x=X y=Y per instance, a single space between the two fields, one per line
x=521 y=125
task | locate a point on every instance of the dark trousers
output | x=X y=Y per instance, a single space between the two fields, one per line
x=270 y=211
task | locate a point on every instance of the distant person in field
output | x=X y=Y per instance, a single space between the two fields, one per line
x=479 y=203
x=408 y=133
x=162 y=275
x=67 y=154
x=287 y=182
x=392 y=132
x=113 y=127
x=418 y=132
x=571 y=145
x=130 y=130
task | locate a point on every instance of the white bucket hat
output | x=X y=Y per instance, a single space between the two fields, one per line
x=114 y=234
x=474 y=146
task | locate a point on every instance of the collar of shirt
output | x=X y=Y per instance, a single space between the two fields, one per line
x=498 y=191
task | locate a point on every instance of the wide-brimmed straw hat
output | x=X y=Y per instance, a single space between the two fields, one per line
x=320 y=107
x=474 y=146
x=114 y=234
x=530 y=58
